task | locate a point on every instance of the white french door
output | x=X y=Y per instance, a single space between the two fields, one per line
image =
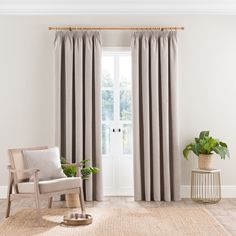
x=117 y=123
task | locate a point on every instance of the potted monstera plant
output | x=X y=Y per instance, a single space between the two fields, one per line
x=205 y=147
x=70 y=170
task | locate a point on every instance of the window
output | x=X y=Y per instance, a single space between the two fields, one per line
x=116 y=98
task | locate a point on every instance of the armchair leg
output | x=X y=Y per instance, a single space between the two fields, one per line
x=37 y=193
x=37 y=203
x=50 y=202
x=8 y=207
x=9 y=192
x=81 y=198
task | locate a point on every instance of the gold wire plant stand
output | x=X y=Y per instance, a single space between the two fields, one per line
x=206 y=186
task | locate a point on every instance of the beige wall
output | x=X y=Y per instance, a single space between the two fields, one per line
x=207 y=79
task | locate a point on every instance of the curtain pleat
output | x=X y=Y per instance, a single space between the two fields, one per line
x=155 y=123
x=97 y=55
x=79 y=95
x=138 y=173
x=77 y=57
x=155 y=129
x=68 y=95
x=57 y=74
x=146 y=110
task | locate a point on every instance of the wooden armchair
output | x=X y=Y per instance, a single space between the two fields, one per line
x=19 y=186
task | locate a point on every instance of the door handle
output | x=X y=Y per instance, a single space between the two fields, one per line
x=114 y=130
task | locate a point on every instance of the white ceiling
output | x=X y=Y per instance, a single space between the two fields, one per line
x=227 y=7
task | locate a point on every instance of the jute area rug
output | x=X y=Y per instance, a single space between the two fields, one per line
x=117 y=222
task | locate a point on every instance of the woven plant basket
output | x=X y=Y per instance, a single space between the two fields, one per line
x=205 y=162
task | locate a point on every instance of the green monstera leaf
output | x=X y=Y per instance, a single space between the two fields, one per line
x=205 y=144
x=70 y=170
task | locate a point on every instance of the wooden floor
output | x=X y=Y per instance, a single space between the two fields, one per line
x=224 y=211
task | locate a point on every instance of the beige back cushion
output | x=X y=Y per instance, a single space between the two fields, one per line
x=47 y=161
x=17 y=161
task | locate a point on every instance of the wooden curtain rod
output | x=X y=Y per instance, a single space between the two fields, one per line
x=70 y=28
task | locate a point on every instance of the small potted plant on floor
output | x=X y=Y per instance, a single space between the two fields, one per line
x=204 y=147
x=70 y=170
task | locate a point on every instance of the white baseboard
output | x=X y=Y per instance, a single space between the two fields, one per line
x=123 y=191
x=3 y=192
x=228 y=191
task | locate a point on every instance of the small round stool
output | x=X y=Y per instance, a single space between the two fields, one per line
x=205 y=186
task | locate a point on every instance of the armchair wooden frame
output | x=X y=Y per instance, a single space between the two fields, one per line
x=18 y=174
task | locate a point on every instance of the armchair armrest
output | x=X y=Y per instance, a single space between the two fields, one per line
x=30 y=171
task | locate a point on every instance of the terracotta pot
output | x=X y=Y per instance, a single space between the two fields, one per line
x=205 y=161
x=72 y=200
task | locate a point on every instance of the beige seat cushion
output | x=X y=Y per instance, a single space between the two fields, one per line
x=48 y=186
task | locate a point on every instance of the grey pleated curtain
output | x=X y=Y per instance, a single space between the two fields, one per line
x=155 y=123
x=77 y=61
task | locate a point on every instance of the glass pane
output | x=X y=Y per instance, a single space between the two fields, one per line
x=125 y=105
x=107 y=105
x=127 y=139
x=105 y=139
x=107 y=71
x=125 y=71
